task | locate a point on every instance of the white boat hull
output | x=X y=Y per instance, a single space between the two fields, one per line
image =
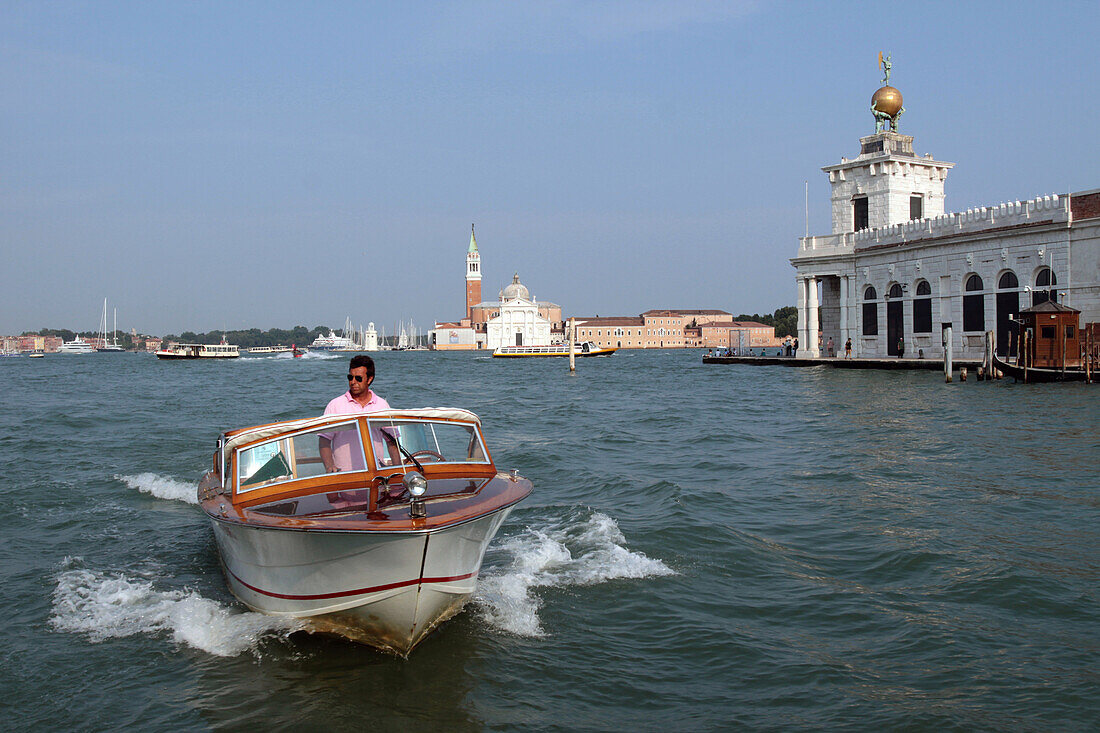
x=388 y=589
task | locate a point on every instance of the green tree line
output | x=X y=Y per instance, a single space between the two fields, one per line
x=252 y=337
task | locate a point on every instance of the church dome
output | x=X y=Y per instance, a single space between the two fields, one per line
x=516 y=290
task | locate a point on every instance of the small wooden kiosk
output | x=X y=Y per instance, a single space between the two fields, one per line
x=1050 y=337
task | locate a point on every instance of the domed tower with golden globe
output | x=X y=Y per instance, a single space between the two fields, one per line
x=887 y=183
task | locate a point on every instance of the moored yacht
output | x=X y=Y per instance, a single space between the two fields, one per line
x=76 y=346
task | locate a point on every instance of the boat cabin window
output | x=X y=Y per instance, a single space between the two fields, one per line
x=300 y=456
x=427 y=442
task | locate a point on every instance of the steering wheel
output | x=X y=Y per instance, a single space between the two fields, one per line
x=430 y=453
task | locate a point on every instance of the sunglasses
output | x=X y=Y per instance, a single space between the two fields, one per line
x=356 y=377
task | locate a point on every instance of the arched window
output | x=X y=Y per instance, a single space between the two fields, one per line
x=895 y=291
x=1008 y=281
x=974 y=305
x=870 y=312
x=922 y=308
x=1044 y=281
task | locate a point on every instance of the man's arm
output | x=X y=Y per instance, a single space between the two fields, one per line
x=324 y=447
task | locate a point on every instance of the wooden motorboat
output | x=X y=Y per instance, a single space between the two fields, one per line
x=588 y=348
x=378 y=539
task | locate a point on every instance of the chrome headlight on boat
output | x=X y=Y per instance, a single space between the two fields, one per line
x=415 y=483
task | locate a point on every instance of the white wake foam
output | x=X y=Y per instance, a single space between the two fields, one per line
x=324 y=355
x=111 y=606
x=583 y=553
x=162 y=487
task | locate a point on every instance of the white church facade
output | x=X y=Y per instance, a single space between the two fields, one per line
x=897 y=273
x=515 y=318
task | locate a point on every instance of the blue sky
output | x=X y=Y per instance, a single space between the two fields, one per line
x=208 y=164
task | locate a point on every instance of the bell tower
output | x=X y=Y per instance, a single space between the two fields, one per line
x=473 y=274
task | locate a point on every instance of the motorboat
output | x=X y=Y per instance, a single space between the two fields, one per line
x=36 y=355
x=587 y=348
x=76 y=346
x=200 y=351
x=296 y=352
x=370 y=526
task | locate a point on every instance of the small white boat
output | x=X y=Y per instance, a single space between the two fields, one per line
x=588 y=348
x=76 y=346
x=36 y=355
x=200 y=351
x=379 y=540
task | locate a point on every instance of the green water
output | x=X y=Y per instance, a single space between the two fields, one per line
x=707 y=548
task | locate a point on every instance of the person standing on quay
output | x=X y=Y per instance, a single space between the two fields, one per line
x=901 y=347
x=831 y=346
x=848 y=348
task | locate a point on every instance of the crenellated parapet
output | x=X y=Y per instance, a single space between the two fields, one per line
x=1052 y=208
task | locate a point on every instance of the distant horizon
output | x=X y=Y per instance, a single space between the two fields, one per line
x=339 y=329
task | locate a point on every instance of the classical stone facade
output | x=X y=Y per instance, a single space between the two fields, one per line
x=897 y=271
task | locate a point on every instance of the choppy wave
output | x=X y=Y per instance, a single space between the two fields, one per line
x=104 y=606
x=161 y=487
x=578 y=553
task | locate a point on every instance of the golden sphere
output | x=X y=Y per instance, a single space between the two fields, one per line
x=889 y=100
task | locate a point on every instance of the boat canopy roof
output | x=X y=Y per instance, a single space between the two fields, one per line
x=249 y=435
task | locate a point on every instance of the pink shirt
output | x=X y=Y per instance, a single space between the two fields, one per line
x=345 y=444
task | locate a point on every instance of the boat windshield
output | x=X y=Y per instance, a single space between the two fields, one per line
x=426 y=441
x=301 y=455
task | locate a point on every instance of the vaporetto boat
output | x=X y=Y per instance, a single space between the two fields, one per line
x=588 y=348
x=200 y=351
x=370 y=526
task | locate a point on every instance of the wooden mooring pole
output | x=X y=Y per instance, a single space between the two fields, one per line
x=572 y=345
x=947 y=354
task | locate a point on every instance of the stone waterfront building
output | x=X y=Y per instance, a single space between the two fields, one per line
x=897 y=270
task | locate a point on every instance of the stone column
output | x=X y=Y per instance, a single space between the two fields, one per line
x=812 y=316
x=802 y=320
x=843 y=314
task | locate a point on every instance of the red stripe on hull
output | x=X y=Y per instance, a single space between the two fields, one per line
x=346 y=593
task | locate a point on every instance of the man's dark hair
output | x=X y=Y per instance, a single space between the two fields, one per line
x=362 y=360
